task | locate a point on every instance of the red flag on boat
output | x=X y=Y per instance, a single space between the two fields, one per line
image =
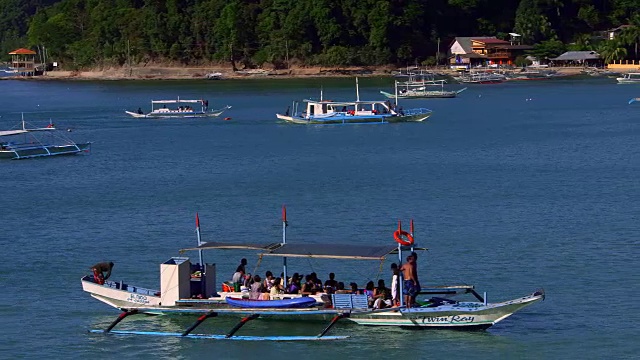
x=284 y=213
x=197 y=222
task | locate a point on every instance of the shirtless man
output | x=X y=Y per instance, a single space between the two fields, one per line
x=411 y=286
x=99 y=271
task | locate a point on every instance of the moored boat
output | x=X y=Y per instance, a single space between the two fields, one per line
x=178 y=108
x=420 y=90
x=26 y=143
x=182 y=293
x=331 y=112
x=629 y=78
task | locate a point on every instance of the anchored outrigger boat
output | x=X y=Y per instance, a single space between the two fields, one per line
x=183 y=293
x=181 y=108
x=26 y=143
x=331 y=112
x=420 y=90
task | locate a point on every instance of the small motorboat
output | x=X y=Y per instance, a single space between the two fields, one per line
x=293 y=303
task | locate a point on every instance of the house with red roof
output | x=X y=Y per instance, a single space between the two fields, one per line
x=484 y=50
x=23 y=61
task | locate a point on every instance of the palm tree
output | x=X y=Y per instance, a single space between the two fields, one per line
x=612 y=50
x=631 y=34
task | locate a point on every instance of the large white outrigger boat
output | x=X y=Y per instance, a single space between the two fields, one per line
x=191 y=288
x=178 y=108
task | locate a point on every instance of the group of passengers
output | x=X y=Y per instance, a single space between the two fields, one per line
x=379 y=296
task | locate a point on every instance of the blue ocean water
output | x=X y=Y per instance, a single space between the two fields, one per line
x=512 y=187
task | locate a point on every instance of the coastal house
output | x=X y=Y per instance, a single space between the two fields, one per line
x=586 y=58
x=23 y=61
x=611 y=34
x=484 y=50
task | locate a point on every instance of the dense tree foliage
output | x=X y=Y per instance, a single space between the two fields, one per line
x=310 y=32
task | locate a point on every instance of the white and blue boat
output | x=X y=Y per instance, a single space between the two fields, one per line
x=182 y=293
x=331 y=112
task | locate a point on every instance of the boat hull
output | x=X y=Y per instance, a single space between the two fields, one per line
x=463 y=315
x=178 y=114
x=29 y=151
x=417 y=115
x=424 y=94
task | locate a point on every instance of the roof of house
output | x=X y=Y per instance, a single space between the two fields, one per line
x=621 y=27
x=577 y=55
x=465 y=42
x=22 y=51
x=492 y=40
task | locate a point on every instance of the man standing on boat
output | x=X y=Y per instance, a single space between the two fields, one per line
x=99 y=270
x=411 y=286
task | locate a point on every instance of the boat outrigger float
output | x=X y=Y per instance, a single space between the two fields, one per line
x=187 y=288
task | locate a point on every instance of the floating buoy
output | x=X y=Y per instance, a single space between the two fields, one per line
x=227 y=118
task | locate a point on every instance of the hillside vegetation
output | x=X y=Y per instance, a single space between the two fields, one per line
x=248 y=33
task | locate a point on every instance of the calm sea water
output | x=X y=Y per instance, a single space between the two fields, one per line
x=512 y=187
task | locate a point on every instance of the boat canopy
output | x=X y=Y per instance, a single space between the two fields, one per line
x=334 y=251
x=175 y=101
x=326 y=251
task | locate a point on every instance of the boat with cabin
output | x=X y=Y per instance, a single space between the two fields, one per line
x=421 y=90
x=188 y=288
x=629 y=78
x=178 y=108
x=25 y=142
x=329 y=112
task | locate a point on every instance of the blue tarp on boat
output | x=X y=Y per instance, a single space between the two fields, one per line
x=300 y=302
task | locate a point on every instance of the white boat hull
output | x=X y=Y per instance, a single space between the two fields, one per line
x=463 y=315
x=338 y=118
x=178 y=114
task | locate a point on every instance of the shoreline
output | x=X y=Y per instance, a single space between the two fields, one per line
x=200 y=73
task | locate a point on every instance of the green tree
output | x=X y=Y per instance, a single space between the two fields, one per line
x=612 y=50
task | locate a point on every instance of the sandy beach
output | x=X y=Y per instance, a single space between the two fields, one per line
x=192 y=73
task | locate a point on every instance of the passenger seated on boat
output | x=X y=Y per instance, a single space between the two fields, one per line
x=309 y=287
x=331 y=283
x=277 y=288
x=256 y=288
x=317 y=283
x=268 y=280
x=381 y=296
x=340 y=289
x=294 y=284
x=354 y=288
x=140 y=111
x=368 y=290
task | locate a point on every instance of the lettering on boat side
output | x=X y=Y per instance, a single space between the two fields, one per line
x=138 y=299
x=455 y=319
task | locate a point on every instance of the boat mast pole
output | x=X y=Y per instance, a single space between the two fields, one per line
x=357 y=91
x=284 y=241
x=199 y=239
x=203 y=268
x=396 y=93
x=411 y=232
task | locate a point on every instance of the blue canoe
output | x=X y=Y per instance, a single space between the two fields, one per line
x=300 y=302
